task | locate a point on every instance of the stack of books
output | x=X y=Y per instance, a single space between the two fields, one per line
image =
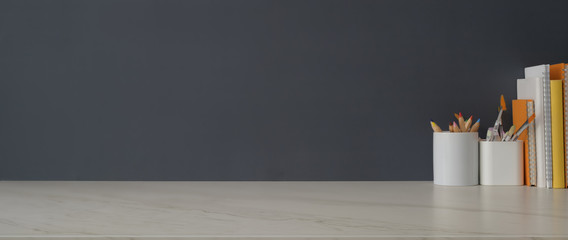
x=544 y=92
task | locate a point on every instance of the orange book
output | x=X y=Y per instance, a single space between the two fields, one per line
x=558 y=72
x=522 y=110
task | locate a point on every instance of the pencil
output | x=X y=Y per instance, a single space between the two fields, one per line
x=468 y=124
x=475 y=126
x=435 y=126
x=462 y=123
x=451 y=127
x=456 y=127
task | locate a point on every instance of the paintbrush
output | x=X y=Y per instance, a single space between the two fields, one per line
x=522 y=128
x=498 y=121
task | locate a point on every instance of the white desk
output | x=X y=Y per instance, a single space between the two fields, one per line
x=277 y=210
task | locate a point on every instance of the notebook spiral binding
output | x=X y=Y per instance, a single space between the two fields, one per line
x=547 y=126
x=531 y=146
x=565 y=83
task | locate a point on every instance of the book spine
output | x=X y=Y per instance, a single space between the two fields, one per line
x=532 y=88
x=565 y=83
x=557 y=119
x=547 y=127
x=531 y=146
x=519 y=107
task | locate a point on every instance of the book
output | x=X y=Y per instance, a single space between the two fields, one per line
x=558 y=71
x=522 y=110
x=543 y=72
x=557 y=120
x=565 y=81
x=531 y=88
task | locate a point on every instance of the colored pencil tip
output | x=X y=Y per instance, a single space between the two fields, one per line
x=478 y=120
x=461 y=114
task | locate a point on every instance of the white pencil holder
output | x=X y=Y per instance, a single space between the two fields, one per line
x=501 y=163
x=456 y=161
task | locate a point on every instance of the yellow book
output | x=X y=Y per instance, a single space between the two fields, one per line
x=557 y=119
x=558 y=71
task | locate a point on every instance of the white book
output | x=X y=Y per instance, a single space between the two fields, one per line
x=531 y=88
x=543 y=72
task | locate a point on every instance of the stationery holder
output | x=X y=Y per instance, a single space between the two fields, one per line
x=456 y=161
x=501 y=163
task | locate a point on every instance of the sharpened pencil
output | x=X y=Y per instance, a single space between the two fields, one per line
x=462 y=123
x=475 y=126
x=435 y=126
x=468 y=124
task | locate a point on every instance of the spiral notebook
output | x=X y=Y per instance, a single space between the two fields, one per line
x=532 y=88
x=544 y=163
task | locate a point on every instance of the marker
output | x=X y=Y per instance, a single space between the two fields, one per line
x=489 y=134
x=509 y=134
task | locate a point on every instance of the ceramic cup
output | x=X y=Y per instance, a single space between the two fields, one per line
x=456 y=161
x=501 y=163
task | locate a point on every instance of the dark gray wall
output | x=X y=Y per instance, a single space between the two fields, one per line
x=254 y=90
